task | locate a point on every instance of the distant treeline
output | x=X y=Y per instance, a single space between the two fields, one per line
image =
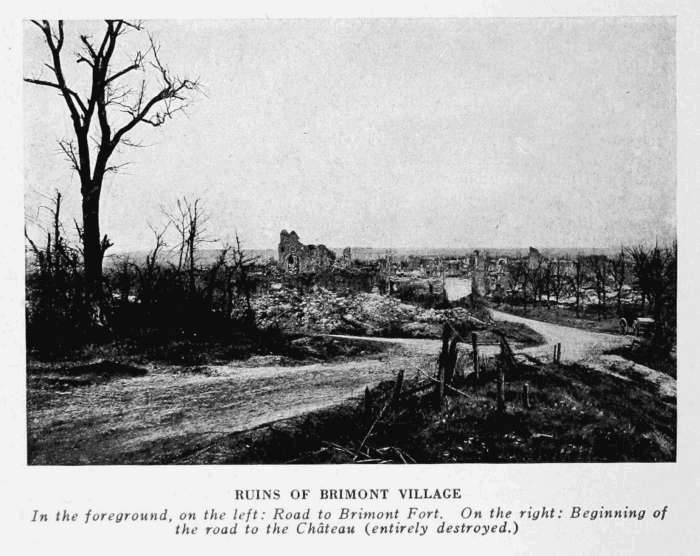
x=643 y=277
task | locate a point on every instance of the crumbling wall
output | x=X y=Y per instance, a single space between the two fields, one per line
x=534 y=259
x=296 y=257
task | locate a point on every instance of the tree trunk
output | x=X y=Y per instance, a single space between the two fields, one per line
x=578 y=302
x=92 y=247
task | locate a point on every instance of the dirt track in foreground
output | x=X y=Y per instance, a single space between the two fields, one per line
x=152 y=418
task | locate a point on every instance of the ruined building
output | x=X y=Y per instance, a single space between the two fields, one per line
x=294 y=256
x=534 y=259
x=477 y=272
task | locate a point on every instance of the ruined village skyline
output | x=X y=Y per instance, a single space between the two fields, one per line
x=396 y=134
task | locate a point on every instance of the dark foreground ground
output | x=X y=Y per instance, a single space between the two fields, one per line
x=575 y=415
x=307 y=404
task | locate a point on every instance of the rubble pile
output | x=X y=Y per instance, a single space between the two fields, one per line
x=322 y=311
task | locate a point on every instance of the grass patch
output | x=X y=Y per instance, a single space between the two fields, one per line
x=293 y=348
x=588 y=319
x=515 y=332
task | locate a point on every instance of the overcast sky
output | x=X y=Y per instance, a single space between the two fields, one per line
x=393 y=133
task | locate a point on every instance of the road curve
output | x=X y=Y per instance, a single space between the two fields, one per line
x=576 y=344
x=589 y=348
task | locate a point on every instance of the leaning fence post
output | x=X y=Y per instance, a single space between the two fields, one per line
x=440 y=387
x=459 y=366
x=397 y=388
x=500 y=383
x=368 y=404
x=451 y=362
x=526 y=395
x=443 y=364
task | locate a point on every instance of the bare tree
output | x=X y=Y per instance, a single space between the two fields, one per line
x=659 y=261
x=190 y=221
x=599 y=266
x=219 y=266
x=655 y=273
x=150 y=272
x=557 y=278
x=527 y=279
x=232 y=270
x=618 y=270
x=538 y=278
x=103 y=117
x=53 y=260
x=56 y=309
x=640 y=256
x=577 y=280
x=243 y=264
x=516 y=273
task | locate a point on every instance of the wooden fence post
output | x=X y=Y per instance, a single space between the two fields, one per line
x=440 y=387
x=559 y=352
x=500 y=383
x=451 y=362
x=506 y=356
x=459 y=366
x=368 y=404
x=397 y=388
x=475 y=354
x=526 y=395
x=443 y=364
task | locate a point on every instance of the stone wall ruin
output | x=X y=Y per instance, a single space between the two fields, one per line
x=295 y=257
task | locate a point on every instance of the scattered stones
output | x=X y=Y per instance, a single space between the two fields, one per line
x=322 y=311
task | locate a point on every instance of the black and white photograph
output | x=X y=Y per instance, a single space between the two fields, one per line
x=438 y=240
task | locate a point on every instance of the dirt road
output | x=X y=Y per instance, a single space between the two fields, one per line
x=144 y=419
x=588 y=348
x=576 y=344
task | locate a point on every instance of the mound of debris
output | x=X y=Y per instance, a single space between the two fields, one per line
x=322 y=311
